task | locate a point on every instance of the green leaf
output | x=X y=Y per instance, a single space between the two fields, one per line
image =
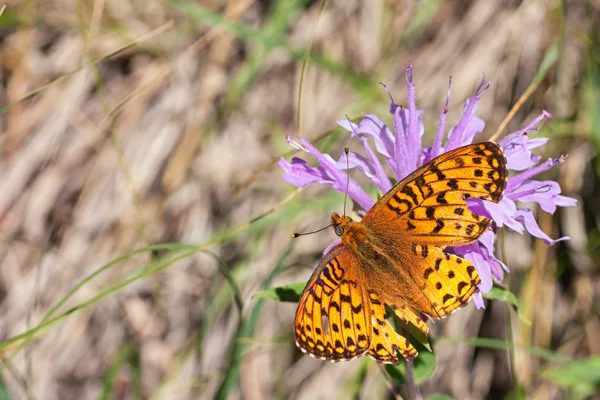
x=4 y=395
x=581 y=377
x=518 y=393
x=416 y=334
x=288 y=293
x=8 y=19
x=506 y=296
x=423 y=367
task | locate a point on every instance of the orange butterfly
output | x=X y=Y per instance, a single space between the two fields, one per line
x=395 y=256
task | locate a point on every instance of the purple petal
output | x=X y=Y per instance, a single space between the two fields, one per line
x=415 y=126
x=518 y=180
x=469 y=124
x=565 y=201
x=466 y=133
x=545 y=193
x=532 y=125
x=502 y=213
x=380 y=177
x=374 y=127
x=487 y=240
x=371 y=168
x=436 y=149
x=400 y=162
x=482 y=266
x=526 y=216
x=517 y=150
x=474 y=253
x=299 y=173
x=517 y=145
x=478 y=300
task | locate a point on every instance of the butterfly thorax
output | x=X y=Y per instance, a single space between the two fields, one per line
x=353 y=235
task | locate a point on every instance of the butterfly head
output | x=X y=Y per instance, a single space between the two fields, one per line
x=340 y=224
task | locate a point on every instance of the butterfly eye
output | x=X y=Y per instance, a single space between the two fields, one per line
x=339 y=230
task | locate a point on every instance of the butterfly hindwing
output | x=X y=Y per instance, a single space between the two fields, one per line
x=386 y=342
x=447 y=281
x=431 y=203
x=332 y=320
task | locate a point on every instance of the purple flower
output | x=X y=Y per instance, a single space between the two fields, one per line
x=403 y=151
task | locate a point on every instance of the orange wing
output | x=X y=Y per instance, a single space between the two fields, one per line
x=331 y=318
x=427 y=281
x=430 y=205
x=420 y=216
x=337 y=319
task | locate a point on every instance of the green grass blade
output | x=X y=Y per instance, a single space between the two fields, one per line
x=246 y=330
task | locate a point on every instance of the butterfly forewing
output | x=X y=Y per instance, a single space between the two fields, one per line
x=430 y=205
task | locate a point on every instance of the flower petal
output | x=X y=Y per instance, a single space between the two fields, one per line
x=526 y=216
x=414 y=129
x=299 y=173
x=545 y=193
x=469 y=124
x=371 y=168
x=478 y=300
x=482 y=266
x=436 y=149
x=518 y=180
x=502 y=213
x=465 y=134
x=517 y=150
x=374 y=127
x=487 y=241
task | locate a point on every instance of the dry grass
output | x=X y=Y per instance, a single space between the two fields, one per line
x=127 y=124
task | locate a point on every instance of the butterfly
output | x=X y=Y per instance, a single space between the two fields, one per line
x=395 y=257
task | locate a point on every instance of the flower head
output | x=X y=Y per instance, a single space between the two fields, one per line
x=403 y=151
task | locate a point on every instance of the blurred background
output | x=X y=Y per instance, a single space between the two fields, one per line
x=142 y=207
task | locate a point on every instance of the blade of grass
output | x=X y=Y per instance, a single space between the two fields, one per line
x=125 y=356
x=313 y=29
x=246 y=330
x=277 y=23
x=187 y=250
x=550 y=58
x=4 y=395
x=201 y=14
x=62 y=77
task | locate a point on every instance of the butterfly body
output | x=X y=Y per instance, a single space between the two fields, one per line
x=395 y=257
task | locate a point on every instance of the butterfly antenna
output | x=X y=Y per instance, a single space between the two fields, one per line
x=295 y=235
x=347 y=151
